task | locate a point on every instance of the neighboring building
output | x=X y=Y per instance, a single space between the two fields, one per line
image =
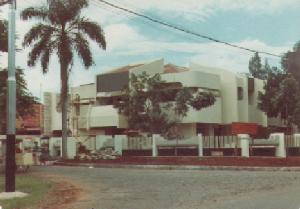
x=92 y=112
x=52 y=114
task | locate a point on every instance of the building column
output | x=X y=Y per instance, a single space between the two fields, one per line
x=296 y=139
x=154 y=144
x=200 y=145
x=280 y=149
x=244 y=139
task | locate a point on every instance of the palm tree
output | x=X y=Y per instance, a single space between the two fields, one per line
x=62 y=30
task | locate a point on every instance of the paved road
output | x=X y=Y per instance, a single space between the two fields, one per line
x=170 y=189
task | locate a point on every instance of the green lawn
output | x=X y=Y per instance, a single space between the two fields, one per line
x=36 y=188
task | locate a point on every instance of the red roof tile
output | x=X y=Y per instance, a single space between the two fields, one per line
x=170 y=68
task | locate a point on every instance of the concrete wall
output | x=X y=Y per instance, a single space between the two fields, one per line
x=106 y=116
x=194 y=79
x=228 y=86
x=52 y=119
x=211 y=114
x=83 y=117
x=87 y=91
x=233 y=109
x=242 y=82
x=227 y=109
x=256 y=115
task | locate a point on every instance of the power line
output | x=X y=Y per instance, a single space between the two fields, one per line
x=108 y=9
x=169 y=25
x=142 y=21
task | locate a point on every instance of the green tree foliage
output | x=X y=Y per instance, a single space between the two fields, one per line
x=291 y=66
x=257 y=69
x=24 y=100
x=268 y=99
x=3 y=36
x=281 y=96
x=296 y=115
x=255 y=66
x=291 y=62
x=150 y=106
x=62 y=31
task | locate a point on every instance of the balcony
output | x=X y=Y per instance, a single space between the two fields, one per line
x=211 y=114
x=105 y=116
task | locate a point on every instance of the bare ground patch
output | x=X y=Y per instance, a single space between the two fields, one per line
x=63 y=194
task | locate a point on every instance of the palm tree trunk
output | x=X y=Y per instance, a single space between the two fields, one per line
x=64 y=107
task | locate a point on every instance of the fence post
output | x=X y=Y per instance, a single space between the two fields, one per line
x=244 y=139
x=296 y=140
x=280 y=149
x=154 y=146
x=200 y=145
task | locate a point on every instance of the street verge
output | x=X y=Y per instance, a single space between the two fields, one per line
x=194 y=163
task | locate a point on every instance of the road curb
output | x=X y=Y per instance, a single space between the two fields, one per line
x=179 y=167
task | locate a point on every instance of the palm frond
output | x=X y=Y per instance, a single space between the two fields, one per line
x=31 y=12
x=45 y=57
x=34 y=54
x=37 y=32
x=66 y=29
x=82 y=48
x=37 y=49
x=64 y=11
x=77 y=5
x=93 y=30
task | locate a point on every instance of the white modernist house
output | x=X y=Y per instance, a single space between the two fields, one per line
x=92 y=112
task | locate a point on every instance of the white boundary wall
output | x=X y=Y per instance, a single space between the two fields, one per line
x=160 y=141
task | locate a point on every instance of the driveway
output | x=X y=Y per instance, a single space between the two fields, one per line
x=173 y=189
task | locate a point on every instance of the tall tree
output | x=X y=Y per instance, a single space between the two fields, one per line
x=291 y=62
x=281 y=96
x=266 y=69
x=256 y=69
x=61 y=30
x=255 y=65
x=25 y=100
x=151 y=107
x=268 y=98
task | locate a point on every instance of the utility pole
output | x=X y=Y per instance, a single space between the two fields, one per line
x=10 y=165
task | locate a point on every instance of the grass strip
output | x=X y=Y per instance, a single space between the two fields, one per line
x=36 y=187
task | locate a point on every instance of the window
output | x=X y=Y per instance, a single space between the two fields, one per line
x=240 y=93
x=112 y=81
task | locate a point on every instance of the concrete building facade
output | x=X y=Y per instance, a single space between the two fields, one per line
x=92 y=109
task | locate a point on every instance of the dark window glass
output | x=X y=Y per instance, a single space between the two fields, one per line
x=240 y=93
x=112 y=82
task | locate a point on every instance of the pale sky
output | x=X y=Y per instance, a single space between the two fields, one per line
x=268 y=25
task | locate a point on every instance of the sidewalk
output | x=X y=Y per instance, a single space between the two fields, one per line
x=194 y=163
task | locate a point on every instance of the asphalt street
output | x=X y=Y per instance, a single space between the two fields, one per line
x=115 y=188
